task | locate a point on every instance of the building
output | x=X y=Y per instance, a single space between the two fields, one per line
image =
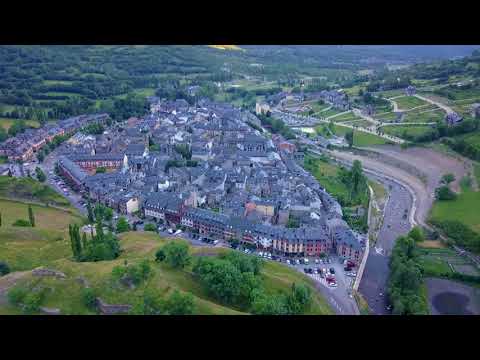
x=72 y=173
x=262 y=108
x=410 y=90
x=453 y=119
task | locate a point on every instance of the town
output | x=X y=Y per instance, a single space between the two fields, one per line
x=205 y=169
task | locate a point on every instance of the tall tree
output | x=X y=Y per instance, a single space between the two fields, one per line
x=31 y=216
x=91 y=218
x=0 y=219
x=349 y=138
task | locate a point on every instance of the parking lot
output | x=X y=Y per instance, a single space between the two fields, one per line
x=337 y=292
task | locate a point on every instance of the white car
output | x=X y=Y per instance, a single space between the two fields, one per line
x=316 y=261
x=180 y=231
x=216 y=242
x=260 y=254
x=288 y=262
x=297 y=262
x=170 y=231
x=333 y=284
x=305 y=261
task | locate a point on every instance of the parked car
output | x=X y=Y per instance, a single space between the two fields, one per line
x=288 y=262
x=215 y=242
x=305 y=261
x=332 y=271
x=178 y=232
x=316 y=261
x=297 y=262
x=333 y=284
x=305 y=270
x=170 y=231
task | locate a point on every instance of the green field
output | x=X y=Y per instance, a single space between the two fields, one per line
x=409 y=102
x=66 y=293
x=24 y=248
x=422 y=115
x=326 y=174
x=406 y=132
x=361 y=138
x=7 y=123
x=464 y=209
x=30 y=189
x=391 y=93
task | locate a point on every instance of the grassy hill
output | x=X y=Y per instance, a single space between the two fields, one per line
x=47 y=245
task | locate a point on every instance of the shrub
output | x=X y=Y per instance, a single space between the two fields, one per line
x=22 y=222
x=177 y=254
x=160 y=255
x=444 y=193
x=17 y=295
x=32 y=302
x=150 y=227
x=89 y=298
x=4 y=268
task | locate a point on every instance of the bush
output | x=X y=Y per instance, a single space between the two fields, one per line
x=443 y=193
x=22 y=222
x=150 y=227
x=177 y=254
x=32 y=302
x=17 y=295
x=89 y=298
x=160 y=255
x=417 y=234
x=4 y=268
x=459 y=233
x=122 y=225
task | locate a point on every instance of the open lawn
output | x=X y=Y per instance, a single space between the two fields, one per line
x=66 y=294
x=24 y=248
x=464 y=209
x=361 y=138
x=30 y=189
x=326 y=174
x=422 y=115
x=409 y=102
x=406 y=132
x=391 y=93
x=6 y=123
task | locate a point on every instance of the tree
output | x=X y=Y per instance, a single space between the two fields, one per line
x=179 y=304
x=177 y=254
x=31 y=216
x=0 y=219
x=160 y=255
x=89 y=298
x=4 y=268
x=91 y=218
x=269 y=304
x=444 y=193
x=300 y=299
x=150 y=227
x=40 y=174
x=122 y=225
x=74 y=232
x=447 y=178
x=349 y=138
x=416 y=234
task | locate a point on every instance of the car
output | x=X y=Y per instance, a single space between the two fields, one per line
x=297 y=262
x=332 y=271
x=316 y=261
x=321 y=275
x=310 y=271
x=288 y=262
x=305 y=261
x=178 y=232
x=269 y=257
x=315 y=271
x=305 y=270
x=346 y=268
x=216 y=242
x=245 y=251
x=333 y=284
x=260 y=253
x=170 y=231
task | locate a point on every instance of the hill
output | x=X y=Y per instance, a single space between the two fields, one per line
x=47 y=245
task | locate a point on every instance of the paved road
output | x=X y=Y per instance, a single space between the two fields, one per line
x=396 y=222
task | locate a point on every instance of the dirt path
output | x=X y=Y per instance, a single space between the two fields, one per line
x=432 y=163
x=444 y=107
